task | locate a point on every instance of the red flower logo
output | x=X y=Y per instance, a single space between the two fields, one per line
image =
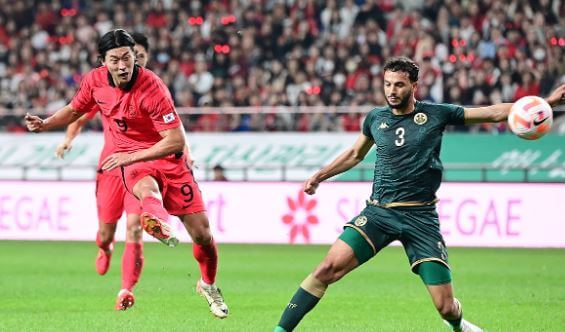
x=300 y=216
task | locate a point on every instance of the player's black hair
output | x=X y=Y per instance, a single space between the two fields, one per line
x=114 y=39
x=140 y=39
x=403 y=64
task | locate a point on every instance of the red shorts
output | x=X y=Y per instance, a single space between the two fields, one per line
x=112 y=198
x=181 y=194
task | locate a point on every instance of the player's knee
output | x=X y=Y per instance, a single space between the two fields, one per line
x=446 y=307
x=134 y=232
x=202 y=238
x=145 y=192
x=328 y=272
x=106 y=235
x=147 y=187
x=198 y=227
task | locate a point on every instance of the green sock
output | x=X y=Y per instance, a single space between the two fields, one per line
x=300 y=304
x=455 y=323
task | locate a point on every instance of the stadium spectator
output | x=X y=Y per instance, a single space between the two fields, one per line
x=219 y=174
x=324 y=40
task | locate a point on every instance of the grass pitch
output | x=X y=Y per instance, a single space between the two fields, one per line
x=52 y=286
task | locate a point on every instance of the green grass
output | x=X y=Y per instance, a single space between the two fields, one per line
x=52 y=286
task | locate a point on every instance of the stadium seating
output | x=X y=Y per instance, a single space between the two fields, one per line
x=296 y=53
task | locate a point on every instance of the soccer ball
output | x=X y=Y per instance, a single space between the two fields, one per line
x=530 y=117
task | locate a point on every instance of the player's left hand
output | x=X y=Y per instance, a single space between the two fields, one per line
x=557 y=96
x=116 y=160
x=63 y=148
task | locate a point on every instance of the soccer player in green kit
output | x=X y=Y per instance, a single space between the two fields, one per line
x=407 y=134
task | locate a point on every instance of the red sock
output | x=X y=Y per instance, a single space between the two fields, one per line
x=207 y=257
x=132 y=263
x=102 y=245
x=155 y=207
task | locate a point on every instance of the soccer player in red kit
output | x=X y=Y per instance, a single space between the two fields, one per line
x=112 y=199
x=149 y=140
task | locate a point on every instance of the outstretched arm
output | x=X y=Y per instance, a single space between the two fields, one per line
x=345 y=161
x=493 y=113
x=61 y=118
x=499 y=112
x=73 y=130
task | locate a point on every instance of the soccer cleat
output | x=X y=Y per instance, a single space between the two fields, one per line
x=125 y=300
x=214 y=297
x=159 y=229
x=103 y=259
x=465 y=327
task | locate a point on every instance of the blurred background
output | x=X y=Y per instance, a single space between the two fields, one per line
x=296 y=65
x=270 y=91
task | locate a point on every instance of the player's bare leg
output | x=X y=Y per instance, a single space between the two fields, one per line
x=205 y=252
x=132 y=262
x=154 y=216
x=105 y=243
x=339 y=261
x=450 y=308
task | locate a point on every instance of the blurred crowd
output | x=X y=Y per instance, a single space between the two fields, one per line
x=286 y=53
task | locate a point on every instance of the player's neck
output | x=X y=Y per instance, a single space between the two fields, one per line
x=407 y=109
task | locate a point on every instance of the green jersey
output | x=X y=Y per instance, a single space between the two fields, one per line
x=407 y=167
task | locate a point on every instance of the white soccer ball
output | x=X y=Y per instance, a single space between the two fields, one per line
x=530 y=117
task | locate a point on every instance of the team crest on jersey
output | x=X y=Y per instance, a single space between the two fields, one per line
x=420 y=118
x=383 y=125
x=360 y=221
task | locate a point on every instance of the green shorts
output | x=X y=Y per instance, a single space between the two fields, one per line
x=417 y=228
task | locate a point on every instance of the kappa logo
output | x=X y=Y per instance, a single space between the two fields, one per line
x=169 y=117
x=360 y=221
x=383 y=125
x=420 y=118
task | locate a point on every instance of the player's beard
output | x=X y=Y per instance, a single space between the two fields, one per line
x=403 y=102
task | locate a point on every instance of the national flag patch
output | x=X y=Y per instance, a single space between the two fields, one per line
x=169 y=117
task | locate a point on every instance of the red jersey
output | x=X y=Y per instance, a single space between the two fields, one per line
x=108 y=147
x=134 y=115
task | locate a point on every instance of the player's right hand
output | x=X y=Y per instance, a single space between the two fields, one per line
x=116 y=160
x=34 y=123
x=62 y=148
x=311 y=185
